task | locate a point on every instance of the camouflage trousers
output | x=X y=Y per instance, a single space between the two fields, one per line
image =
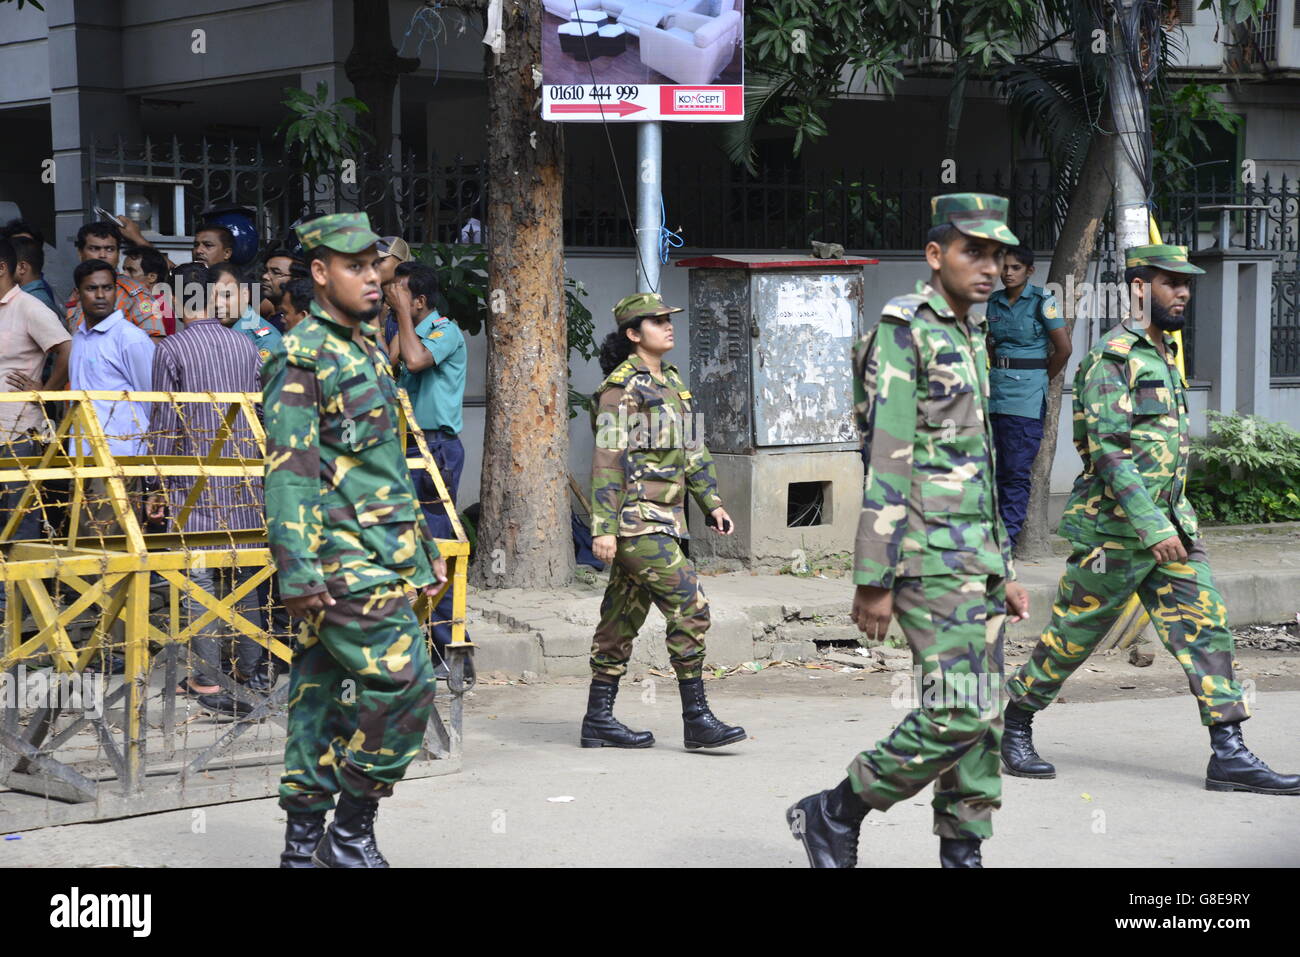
x=360 y=695
x=953 y=624
x=651 y=568
x=1184 y=605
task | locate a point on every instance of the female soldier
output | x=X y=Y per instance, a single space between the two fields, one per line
x=646 y=458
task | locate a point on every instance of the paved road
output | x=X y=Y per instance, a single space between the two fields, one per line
x=1129 y=792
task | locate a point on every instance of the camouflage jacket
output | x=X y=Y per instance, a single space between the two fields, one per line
x=1131 y=430
x=929 y=504
x=341 y=512
x=648 y=454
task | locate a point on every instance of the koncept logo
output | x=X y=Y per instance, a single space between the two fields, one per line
x=699 y=101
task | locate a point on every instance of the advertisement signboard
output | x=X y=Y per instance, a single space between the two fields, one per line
x=640 y=60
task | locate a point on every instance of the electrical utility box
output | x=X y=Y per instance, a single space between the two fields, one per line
x=772 y=383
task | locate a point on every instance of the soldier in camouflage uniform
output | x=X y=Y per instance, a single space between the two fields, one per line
x=349 y=543
x=931 y=548
x=1133 y=530
x=647 y=457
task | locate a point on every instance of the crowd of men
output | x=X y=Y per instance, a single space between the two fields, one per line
x=135 y=321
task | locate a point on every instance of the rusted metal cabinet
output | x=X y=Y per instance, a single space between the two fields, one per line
x=771 y=338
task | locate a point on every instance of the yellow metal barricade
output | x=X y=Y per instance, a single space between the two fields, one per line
x=99 y=584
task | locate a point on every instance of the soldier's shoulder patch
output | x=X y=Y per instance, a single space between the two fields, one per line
x=620 y=376
x=264 y=331
x=1119 y=344
x=902 y=308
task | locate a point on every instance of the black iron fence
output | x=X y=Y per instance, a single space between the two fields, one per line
x=721 y=207
x=712 y=206
x=1274 y=229
x=422 y=201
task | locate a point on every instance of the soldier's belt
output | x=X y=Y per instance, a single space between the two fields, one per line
x=999 y=362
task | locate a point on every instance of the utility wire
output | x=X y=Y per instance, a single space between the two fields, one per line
x=613 y=155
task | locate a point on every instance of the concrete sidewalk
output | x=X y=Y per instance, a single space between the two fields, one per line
x=1130 y=791
x=763 y=617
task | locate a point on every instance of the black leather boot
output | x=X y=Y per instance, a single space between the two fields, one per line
x=703 y=730
x=827 y=824
x=600 y=729
x=1018 y=754
x=960 y=852
x=302 y=833
x=350 y=839
x=1234 y=768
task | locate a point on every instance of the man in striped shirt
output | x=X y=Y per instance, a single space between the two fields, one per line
x=205 y=356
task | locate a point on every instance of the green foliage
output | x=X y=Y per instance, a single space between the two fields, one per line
x=1177 y=134
x=1236 y=11
x=471 y=531
x=582 y=338
x=462 y=281
x=1246 y=471
x=799 y=54
x=463 y=295
x=857 y=214
x=317 y=132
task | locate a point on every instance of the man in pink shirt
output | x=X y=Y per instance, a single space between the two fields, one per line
x=29 y=331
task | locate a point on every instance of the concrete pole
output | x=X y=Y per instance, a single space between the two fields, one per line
x=649 y=195
x=1128 y=107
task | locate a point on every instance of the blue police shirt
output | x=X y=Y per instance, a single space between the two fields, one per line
x=438 y=392
x=1020 y=331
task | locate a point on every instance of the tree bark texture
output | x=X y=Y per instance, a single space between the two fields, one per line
x=524 y=536
x=1074 y=249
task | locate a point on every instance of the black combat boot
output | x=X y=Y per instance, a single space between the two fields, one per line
x=1234 y=768
x=600 y=729
x=301 y=835
x=350 y=838
x=960 y=852
x=1018 y=754
x=703 y=730
x=827 y=824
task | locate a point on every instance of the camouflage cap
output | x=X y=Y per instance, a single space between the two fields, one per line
x=342 y=232
x=641 y=304
x=396 y=247
x=981 y=215
x=1161 y=256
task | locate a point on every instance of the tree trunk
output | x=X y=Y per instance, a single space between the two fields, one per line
x=524 y=538
x=1074 y=248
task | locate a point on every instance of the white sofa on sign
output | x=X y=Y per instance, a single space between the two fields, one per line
x=691 y=48
x=637 y=15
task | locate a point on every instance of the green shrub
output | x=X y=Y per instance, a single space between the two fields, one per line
x=1246 y=472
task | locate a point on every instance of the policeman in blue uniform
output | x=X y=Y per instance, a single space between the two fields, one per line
x=1022 y=320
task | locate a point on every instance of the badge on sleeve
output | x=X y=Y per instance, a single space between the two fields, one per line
x=1050 y=310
